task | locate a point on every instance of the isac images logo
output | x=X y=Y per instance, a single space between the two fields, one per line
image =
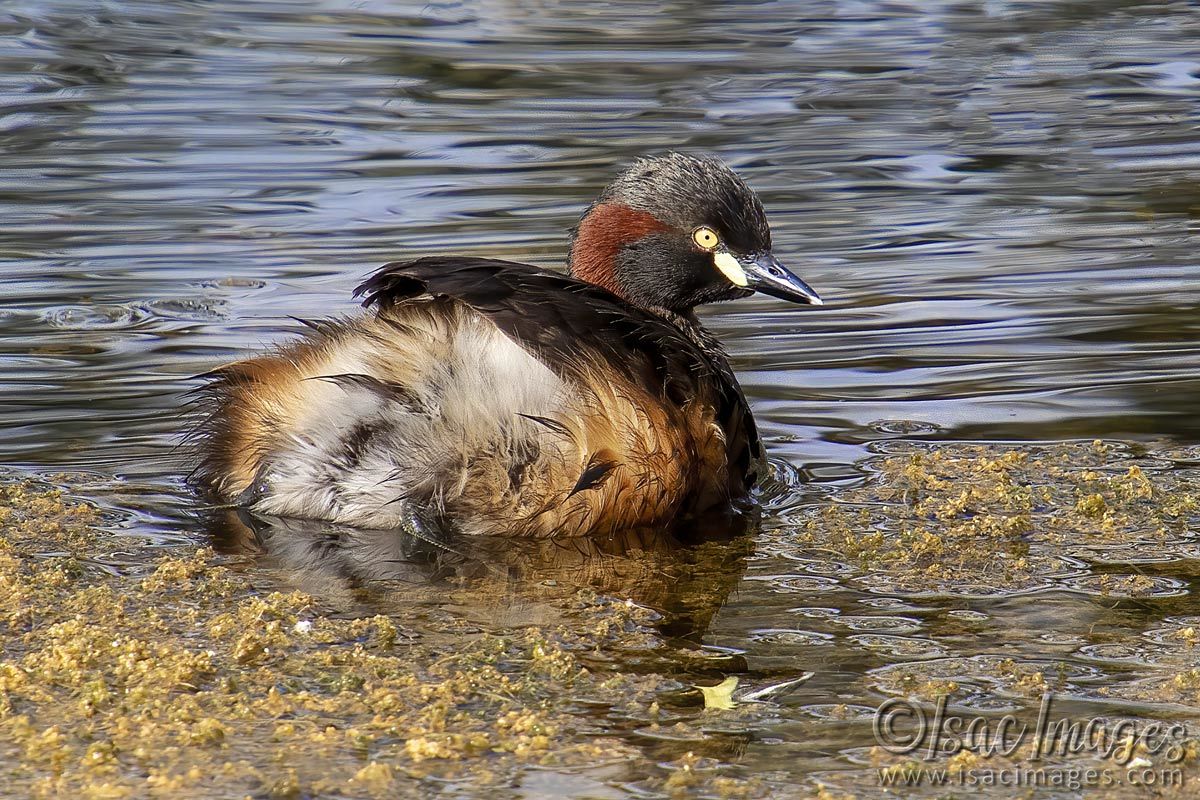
x=1067 y=753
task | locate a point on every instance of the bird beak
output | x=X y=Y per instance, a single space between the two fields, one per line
x=765 y=274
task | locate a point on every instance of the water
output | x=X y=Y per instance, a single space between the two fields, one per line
x=997 y=200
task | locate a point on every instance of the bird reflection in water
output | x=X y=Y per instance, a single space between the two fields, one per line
x=509 y=581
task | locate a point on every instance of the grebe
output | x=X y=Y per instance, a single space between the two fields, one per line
x=478 y=396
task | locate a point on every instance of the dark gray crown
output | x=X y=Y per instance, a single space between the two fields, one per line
x=685 y=191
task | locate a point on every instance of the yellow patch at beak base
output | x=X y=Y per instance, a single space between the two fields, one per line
x=731 y=269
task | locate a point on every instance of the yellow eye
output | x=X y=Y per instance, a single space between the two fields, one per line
x=706 y=238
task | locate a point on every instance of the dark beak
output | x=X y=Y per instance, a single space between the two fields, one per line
x=765 y=274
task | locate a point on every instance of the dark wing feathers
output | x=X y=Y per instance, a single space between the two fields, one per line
x=560 y=318
x=549 y=424
x=594 y=475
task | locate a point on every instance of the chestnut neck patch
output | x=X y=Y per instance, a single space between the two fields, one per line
x=603 y=232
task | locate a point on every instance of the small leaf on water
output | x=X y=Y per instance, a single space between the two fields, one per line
x=721 y=695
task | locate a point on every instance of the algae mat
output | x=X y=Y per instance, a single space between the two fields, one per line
x=296 y=665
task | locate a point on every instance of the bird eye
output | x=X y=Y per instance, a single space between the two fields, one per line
x=705 y=238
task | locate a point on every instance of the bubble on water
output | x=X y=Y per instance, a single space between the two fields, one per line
x=186 y=309
x=838 y=712
x=891 y=603
x=780 y=636
x=896 y=447
x=94 y=317
x=1119 y=586
x=816 y=612
x=1183 y=455
x=899 y=646
x=797 y=583
x=904 y=427
x=871 y=623
x=1116 y=652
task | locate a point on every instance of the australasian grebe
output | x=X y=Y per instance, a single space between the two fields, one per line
x=489 y=397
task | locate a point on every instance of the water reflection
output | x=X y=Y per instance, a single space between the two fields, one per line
x=381 y=571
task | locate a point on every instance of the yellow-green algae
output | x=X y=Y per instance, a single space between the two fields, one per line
x=987 y=519
x=188 y=683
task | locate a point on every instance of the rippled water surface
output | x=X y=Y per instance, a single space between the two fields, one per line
x=998 y=200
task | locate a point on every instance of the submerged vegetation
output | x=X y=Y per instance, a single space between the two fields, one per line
x=201 y=674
